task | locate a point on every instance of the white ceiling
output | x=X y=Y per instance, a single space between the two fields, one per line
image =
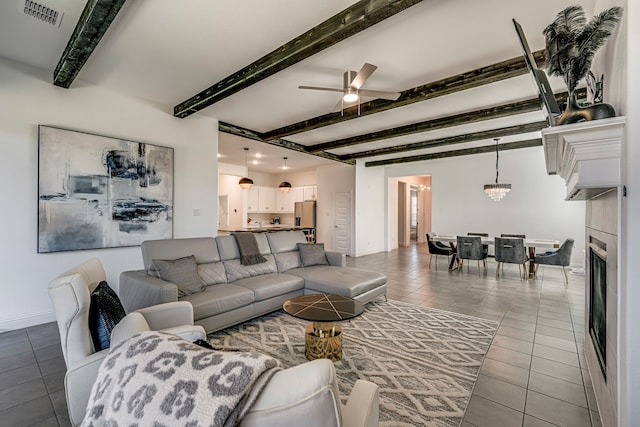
x=166 y=51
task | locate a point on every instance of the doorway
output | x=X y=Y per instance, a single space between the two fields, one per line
x=409 y=210
x=414 y=209
x=223 y=212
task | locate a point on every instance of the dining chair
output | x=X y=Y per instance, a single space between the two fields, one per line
x=510 y=251
x=471 y=248
x=438 y=248
x=560 y=257
x=484 y=247
x=516 y=236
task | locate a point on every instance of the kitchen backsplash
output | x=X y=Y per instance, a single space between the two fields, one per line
x=266 y=218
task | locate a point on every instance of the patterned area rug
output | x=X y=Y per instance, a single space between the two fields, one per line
x=425 y=361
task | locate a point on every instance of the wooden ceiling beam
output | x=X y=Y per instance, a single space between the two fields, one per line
x=94 y=22
x=341 y=26
x=504 y=110
x=454 y=153
x=250 y=134
x=481 y=76
x=451 y=140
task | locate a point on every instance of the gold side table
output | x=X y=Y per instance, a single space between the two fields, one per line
x=323 y=338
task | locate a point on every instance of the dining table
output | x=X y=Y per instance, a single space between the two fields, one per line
x=529 y=243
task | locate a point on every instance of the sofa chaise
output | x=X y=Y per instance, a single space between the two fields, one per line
x=233 y=293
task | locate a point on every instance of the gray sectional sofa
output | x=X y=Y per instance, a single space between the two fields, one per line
x=232 y=292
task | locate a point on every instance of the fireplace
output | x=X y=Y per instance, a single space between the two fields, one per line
x=598 y=300
x=588 y=156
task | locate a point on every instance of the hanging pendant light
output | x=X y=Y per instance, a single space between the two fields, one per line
x=497 y=191
x=245 y=182
x=285 y=186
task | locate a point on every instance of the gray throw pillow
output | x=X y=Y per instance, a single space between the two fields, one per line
x=183 y=272
x=312 y=254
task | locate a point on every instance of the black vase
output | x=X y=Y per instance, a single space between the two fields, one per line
x=574 y=113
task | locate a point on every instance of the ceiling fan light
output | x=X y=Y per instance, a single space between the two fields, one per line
x=285 y=186
x=350 y=96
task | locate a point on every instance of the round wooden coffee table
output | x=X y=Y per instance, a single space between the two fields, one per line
x=323 y=338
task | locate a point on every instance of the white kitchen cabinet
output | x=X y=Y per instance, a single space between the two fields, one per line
x=309 y=192
x=283 y=201
x=295 y=195
x=253 y=204
x=272 y=200
x=267 y=199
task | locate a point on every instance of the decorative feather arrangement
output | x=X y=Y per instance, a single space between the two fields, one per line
x=572 y=41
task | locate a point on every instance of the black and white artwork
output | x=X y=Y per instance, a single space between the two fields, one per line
x=101 y=192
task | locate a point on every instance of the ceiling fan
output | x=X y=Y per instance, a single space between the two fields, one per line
x=352 y=83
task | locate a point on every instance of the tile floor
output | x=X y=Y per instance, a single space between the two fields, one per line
x=534 y=374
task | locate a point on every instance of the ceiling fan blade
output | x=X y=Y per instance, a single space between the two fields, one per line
x=392 y=96
x=320 y=88
x=364 y=73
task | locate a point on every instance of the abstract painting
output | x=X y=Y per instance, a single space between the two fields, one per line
x=101 y=192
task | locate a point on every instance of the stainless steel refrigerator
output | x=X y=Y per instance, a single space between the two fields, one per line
x=305 y=214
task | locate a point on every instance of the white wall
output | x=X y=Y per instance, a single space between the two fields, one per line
x=630 y=249
x=621 y=67
x=370 y=210
x=535 y=206
x=29 y=99
x=301 y=178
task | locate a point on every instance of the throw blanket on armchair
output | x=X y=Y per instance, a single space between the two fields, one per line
x=160 y=379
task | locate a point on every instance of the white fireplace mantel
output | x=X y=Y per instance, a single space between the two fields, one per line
x=586 y=155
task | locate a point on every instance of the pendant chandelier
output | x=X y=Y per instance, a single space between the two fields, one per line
x=497 y=191
x=285 y=186
x=245 y=182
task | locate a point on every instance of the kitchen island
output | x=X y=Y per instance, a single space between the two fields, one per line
x=310 y=232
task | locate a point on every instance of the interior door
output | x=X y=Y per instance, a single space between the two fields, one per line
x=342 y=222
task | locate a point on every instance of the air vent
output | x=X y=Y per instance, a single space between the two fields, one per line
x=42 y=13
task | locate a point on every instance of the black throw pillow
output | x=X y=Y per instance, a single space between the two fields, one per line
x=105 y=311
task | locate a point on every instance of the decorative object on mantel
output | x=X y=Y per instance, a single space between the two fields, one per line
x=285 y=186
x=571 y=42
x=245 y=182
x=98 y=192
x=497 y=191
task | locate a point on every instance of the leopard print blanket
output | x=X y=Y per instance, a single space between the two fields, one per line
x=159 y=379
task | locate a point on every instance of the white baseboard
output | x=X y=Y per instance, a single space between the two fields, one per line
x=25 y=322
x=369 y=252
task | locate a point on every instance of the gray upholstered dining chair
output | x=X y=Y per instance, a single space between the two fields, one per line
x=510 y=251
x=471 y=248
x=484 y=247
x=561 y=257
x=438 y=248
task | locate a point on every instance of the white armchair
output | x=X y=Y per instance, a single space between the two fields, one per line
x=308 y=394
x=70 y=296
